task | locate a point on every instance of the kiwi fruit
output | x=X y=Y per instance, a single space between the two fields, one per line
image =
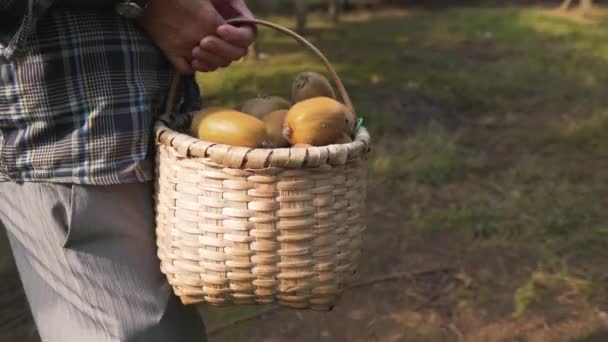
x=260 y=106
x=199 y=116
x=311 y=84
x=274 y=123
x=344 y=139
x=233 y=128
x=318 y=121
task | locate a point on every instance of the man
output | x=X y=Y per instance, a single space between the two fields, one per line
x=81 y=83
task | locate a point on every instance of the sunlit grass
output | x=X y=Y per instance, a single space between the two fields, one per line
x=543 y=290
x=534 y=182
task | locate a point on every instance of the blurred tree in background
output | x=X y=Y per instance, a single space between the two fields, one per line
x=300 y=9
x=301 y=15
x=334 y=10
x=584 y=5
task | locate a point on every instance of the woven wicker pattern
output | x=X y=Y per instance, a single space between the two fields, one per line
x=274 y=235
x=259 y=226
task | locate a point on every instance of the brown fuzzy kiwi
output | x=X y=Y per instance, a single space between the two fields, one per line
x=260 y=106
x=274 y=123
x=344 y=139
x=318 y=121
x=233 y=128
x=199 y=116
x=311 y=84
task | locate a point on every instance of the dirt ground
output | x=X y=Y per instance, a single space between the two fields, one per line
x=488 y=181
x=483 y=204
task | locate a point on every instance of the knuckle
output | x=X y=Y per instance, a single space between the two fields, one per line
x=208 y=43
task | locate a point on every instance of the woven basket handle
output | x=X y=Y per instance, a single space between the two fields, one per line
x=171 y=98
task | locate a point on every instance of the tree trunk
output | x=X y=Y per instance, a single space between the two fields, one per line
x=566 y=5
x=586 y=6
x=334 y=10
x=301 y=15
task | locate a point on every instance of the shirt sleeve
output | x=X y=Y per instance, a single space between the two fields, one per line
x=19 y=19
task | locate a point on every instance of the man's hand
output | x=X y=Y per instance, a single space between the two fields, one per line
x=230 y=43
x=177 y=26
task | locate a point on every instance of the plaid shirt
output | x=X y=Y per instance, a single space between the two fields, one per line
x=80 y=89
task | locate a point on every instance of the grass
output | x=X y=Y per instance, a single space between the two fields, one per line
x=547 y=291
x=432 y=156
x=490 y=122
x=587 y=134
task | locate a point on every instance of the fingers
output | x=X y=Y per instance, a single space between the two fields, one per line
x=214 y=53
x=202 y=66
x=181 y=65
x=231 y=42
x=177 y=26
x=238 y=36
x=222 y=49
x=207 y=62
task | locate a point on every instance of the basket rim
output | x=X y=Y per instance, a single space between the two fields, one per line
x=189 y=147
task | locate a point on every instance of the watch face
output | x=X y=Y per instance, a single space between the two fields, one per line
x=129 y=10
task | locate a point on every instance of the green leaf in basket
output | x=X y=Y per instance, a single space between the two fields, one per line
x=359 y=123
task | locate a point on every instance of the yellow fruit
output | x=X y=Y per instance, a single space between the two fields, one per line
x=261 y=106
x=199 y=116
x=311 y=84
x=233 y=128
x=318 y=121
x=344 y=139
x=274 y=123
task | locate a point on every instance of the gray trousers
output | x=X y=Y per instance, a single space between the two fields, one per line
x=87 y=260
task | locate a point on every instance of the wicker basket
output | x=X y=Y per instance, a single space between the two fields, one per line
x=260 y=226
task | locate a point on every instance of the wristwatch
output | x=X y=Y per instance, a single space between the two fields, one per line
x=132 y=9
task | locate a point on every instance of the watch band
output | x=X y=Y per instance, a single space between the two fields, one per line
x=131 y=9
x=142 y=3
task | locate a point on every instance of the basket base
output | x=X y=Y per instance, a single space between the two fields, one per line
x=194 y=300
